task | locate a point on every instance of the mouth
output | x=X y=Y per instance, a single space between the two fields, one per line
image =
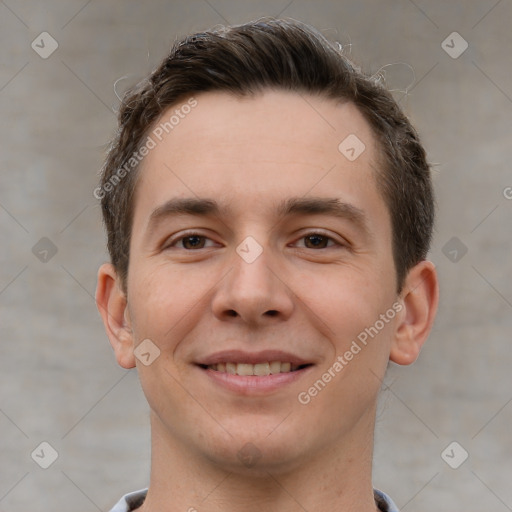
x=253 y=374
x=255 y=370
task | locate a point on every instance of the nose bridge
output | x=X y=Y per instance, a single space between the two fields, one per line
x=252 y=289
x=252 y=274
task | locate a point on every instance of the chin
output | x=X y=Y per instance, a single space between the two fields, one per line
x=252 y=451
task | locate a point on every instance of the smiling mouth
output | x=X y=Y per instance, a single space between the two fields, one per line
x=256 y=370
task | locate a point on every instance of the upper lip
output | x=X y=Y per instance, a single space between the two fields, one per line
x=240 y=356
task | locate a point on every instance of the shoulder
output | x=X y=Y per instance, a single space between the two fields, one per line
x=130 y=501
x=384 y=502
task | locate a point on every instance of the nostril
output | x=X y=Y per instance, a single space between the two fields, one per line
x=232 y=312
x=271 y=312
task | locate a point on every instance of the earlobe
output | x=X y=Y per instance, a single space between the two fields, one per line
x=420 y=298
x=112 y=305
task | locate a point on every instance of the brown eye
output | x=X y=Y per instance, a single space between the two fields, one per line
x=193 y=242
x=189 y=242
x=316 y=241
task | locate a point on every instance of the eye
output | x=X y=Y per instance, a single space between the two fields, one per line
x=190 y=241
x=316 y=240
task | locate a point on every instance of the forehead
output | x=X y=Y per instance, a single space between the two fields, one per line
x=286 y=125
x=257 y=150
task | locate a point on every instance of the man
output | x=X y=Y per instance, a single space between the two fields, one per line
x=269 y=210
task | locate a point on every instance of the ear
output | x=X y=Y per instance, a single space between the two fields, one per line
x=420 y=297
x=112 y=305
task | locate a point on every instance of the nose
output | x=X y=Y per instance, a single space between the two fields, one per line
x=253 y=292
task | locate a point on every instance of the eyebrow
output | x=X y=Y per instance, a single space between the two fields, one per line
x=205 y=207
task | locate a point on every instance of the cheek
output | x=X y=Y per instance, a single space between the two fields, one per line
x=167 y=302
x=158 y=301
x=346 y=300
x=357 y=320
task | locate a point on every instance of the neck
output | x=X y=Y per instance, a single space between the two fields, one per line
x=338 y=478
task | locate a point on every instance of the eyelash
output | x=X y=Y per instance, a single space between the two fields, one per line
x=192 y=234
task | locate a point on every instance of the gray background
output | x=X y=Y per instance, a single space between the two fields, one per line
x=59 y=382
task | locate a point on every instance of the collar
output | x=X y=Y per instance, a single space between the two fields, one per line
x=134 y=500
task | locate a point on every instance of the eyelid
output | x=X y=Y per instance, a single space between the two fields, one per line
x=337 y=240
x=170 y=241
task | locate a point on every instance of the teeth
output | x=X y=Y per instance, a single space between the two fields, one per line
x=275 y=367
x=259 y=369
x=244 y=369
x=286 y=367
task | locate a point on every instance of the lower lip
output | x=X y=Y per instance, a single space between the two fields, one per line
x=252 y=384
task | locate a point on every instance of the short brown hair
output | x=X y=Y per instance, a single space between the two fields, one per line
x=277 y=54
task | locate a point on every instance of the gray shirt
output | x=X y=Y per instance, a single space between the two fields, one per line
x=134 y=500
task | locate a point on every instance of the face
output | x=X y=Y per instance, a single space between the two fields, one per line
x=260 y=253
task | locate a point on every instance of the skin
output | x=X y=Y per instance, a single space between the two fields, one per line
x=249 y=154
